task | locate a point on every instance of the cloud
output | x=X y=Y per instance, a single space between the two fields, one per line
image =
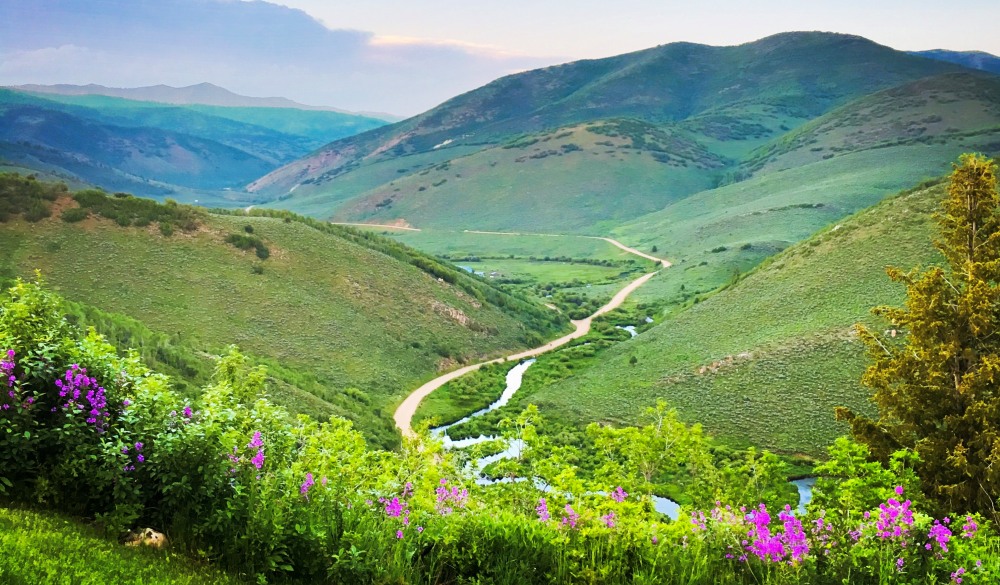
x=254 y=47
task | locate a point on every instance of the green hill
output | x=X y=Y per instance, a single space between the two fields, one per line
x=158 y=149
x=339 y=309
x=706 y=107
x=765 y=361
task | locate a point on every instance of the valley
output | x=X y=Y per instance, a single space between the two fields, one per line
x=737 y=273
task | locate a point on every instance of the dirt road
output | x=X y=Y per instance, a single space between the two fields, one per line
x=404 y=414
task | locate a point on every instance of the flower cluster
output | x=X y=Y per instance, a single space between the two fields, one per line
x=255 y=443
x=449 y=499
x=7 y=368
x=609 y=519
x=542 y=509
x=139 y=457
x=894 y=518
x=619 y=495
x=570 y=517
x=7 y=375
x=790 y=543
x=398 y=508
x=76 y=384
x=308 y=483
x=939 y=533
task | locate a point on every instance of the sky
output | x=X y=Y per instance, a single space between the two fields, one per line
x=406 y=56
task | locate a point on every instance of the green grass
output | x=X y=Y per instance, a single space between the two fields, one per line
x=544 y=187
x=461 y=244
x=38 y=547
x=334 y=313
x=755 y=218
x=464 y=396
x=768 y=359
x=541 y=271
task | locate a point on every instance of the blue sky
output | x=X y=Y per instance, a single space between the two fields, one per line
x=405 y=56
x=598 y=28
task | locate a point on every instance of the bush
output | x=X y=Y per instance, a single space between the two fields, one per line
x=74 y=214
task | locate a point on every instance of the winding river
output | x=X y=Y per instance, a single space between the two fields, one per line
x=404 y=413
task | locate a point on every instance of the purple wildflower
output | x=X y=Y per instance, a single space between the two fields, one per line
x=542 y=509
x=140 y=458
x=940 y=534
x=956 y=577
x=609 y=519
x=258 y=459
x=970 y=527
x=399 y=534
x=570 y=517
x=255 y=441
x=619 y=495
x=187 y=412
x=308 y=483
x=448 y=499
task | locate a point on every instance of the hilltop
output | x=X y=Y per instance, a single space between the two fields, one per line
x=354 y=320
x=681 y=116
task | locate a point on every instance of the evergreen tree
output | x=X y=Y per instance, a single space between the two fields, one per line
x=936 y=374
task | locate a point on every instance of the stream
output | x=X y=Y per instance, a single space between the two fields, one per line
x=661 y=504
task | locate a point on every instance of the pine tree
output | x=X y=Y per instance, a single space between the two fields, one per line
x=936 y=376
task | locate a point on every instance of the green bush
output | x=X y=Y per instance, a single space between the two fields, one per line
x=74 y=214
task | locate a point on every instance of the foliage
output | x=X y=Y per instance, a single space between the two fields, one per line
x=935 y=375
x=27 y=195
x=128 y=210
x=234 y=480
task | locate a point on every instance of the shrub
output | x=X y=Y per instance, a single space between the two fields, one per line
x=74 y=214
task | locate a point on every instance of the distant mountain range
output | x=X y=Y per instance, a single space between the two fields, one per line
x=191 y=143
x=971 y=59
x=202 y=93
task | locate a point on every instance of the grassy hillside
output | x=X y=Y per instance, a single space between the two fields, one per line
x=838 y=164
x=709 y=105
x=338 y=309
x=765 y=361
x=576 y=179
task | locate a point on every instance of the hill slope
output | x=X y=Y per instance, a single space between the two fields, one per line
x=719 y=101
x=338 y=309
x=765 y=361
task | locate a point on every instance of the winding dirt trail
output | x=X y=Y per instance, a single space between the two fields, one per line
x=404 y=413
x=615 y=243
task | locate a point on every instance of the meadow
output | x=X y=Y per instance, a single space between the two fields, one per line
x=338 y=318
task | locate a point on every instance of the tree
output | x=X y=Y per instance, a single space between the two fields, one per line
x=936 y=375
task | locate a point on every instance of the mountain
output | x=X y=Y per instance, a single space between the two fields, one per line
x=202 y=93
x=156 y=149
x=971 y=59
x=709 y=106
x=764 y=361
x=349 y=322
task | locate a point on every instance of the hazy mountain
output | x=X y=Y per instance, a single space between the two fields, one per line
x=202 y=93
x=152 y=148
x=971 y=59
